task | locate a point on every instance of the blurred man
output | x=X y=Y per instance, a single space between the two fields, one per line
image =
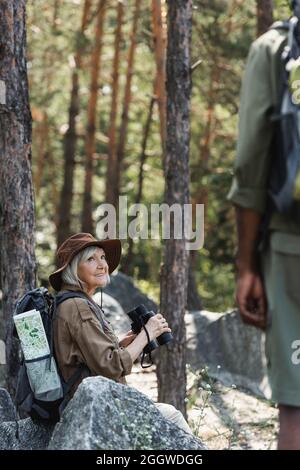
x=268 y=289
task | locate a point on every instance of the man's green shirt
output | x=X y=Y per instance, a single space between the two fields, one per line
x=262 y=84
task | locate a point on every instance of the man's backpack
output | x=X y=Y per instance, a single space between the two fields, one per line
x=284 y=177
x=47 y=403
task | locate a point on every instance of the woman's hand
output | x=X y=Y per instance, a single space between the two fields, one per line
x=127 y=339
x=156 y=326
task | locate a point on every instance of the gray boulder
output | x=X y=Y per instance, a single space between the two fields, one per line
x=3 y=373
x=31 y=436
x=2 y=352
x=7 y=409
x=232 y=351
x=105 y=415
x=122 y=289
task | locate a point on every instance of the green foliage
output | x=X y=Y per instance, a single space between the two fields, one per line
x=149 y=288
x=222 y=33
x=216 y=284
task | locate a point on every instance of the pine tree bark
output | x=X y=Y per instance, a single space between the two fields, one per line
x=127 y=264
x=52 y=169
x=55 y=13
x=193 y=297
x=200 y=196
x=18 y=266
x=171 y=370
x=87 y=218
x=160 y=44
x=264 y=15
x=43 y=136
x=126 y=103
x=111 y=180
x=70 y=139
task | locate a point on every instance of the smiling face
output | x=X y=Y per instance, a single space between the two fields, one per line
x=94 y=271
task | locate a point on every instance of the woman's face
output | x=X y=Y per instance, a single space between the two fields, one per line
x=94 y=271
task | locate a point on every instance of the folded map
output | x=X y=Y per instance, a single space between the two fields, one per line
x=32 y=334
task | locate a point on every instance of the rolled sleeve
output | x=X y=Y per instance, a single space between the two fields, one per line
x=250 y=198
x=249 y=187
x=126 y=361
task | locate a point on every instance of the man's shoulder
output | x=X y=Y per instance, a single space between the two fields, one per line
x=272 y=40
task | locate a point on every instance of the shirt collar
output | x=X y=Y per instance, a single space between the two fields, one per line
x=72 y=288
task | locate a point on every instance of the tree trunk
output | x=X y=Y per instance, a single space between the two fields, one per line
x=126 y=265
x=160 y=43
x=201 y=194
x=18 y=266
x=70 y=139
x=52 y=168
x=264 y=15
x=111 y=182
x=174 y=275
x=193 y=297
x=87 y=219
x=43 y=137
x=126 y=103
x=55 y=13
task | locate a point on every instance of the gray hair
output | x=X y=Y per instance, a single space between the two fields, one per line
x=70 y=273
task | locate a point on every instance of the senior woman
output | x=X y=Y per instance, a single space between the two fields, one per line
x=83 y=337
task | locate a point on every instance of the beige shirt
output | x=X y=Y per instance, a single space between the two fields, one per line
x=81 y=338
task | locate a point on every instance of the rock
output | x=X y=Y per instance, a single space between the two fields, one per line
x=2 y=375
x=229 y=419
x=127 y=294
x=31 y=436
x=114 y=312
x=105 y=415
x=233 y=351
x=213 y=339
x=7 y=408
x=2 y=352
x=2 y=349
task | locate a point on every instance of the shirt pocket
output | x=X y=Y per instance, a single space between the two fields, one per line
x=286 y=243
x=285 y=252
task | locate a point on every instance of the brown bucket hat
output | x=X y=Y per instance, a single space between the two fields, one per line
x=74 y=244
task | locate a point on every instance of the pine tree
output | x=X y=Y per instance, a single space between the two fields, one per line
x=174 y=276
x=18 y=266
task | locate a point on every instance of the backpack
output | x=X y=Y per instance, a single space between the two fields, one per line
x=41 y=390
x=284 y=177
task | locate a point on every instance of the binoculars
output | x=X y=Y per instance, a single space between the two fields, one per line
x=139 y=317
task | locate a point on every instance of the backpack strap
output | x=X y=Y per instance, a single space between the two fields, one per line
x=280 y=25
x=69 y=384
x=60 y=298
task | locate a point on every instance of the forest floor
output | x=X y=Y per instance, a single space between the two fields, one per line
x=222 y=417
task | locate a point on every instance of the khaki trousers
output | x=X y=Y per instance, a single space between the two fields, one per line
x=173 y=415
